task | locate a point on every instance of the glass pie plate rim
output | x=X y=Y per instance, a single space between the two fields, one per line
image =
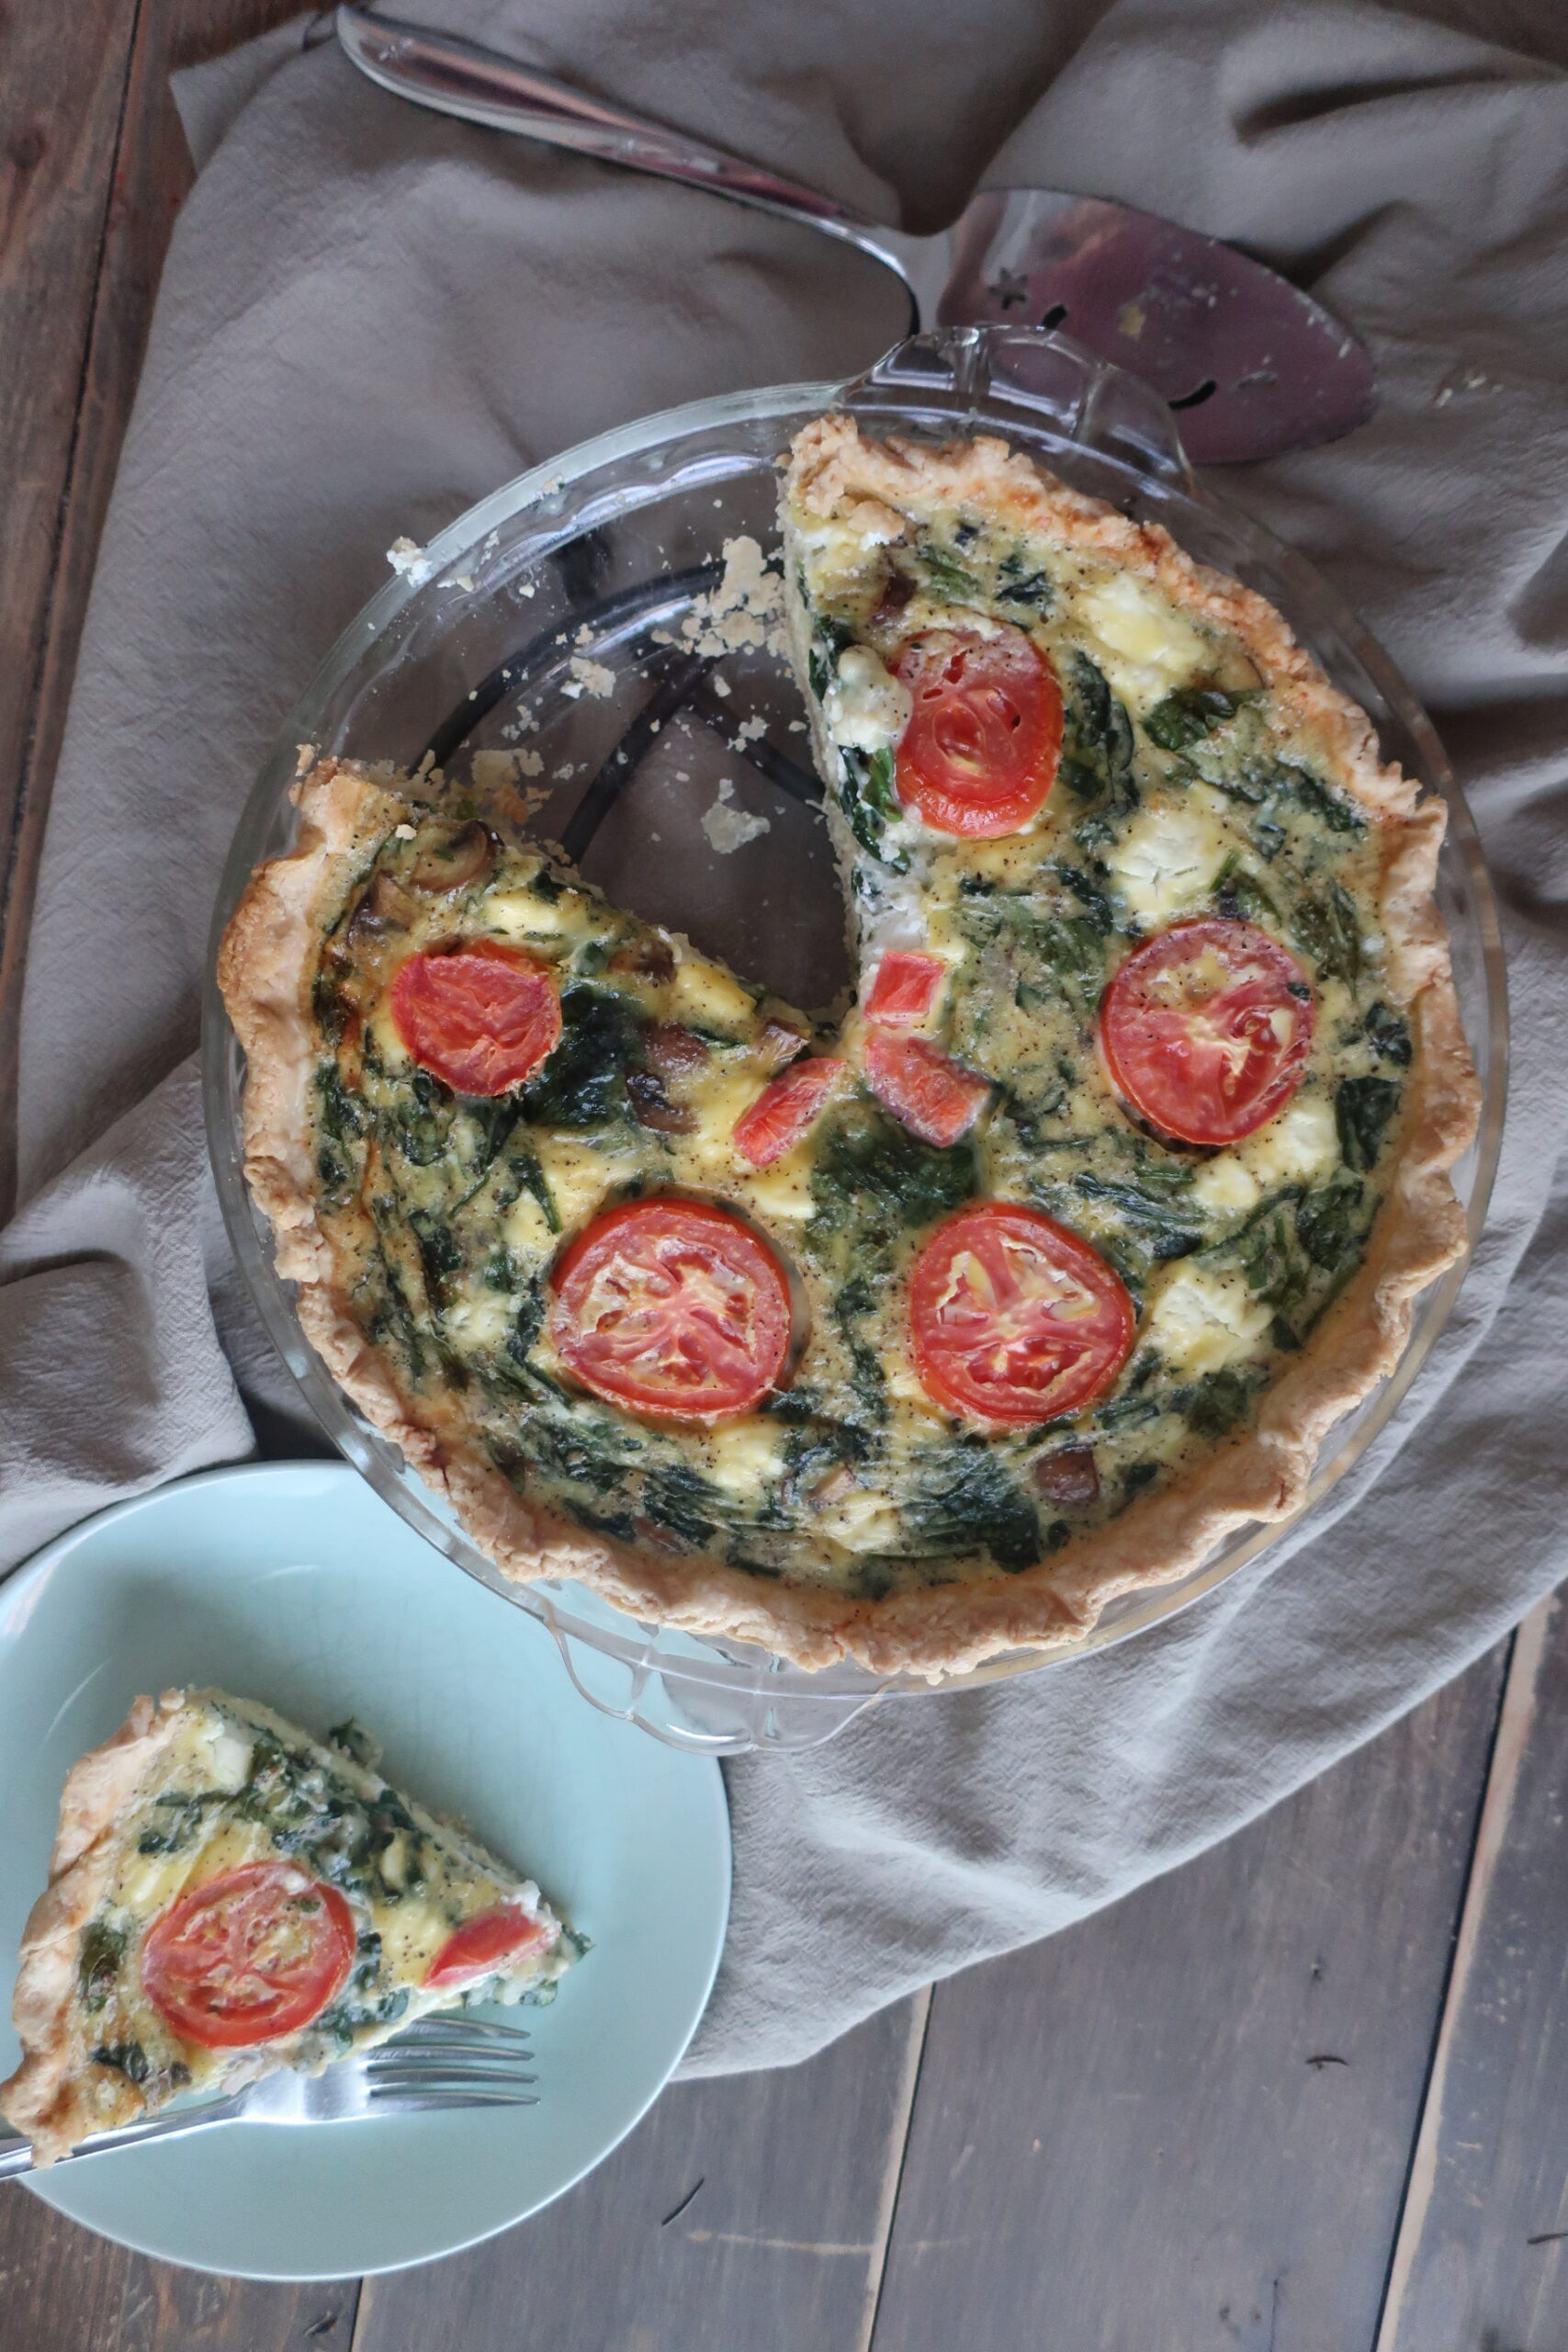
x=1071 y=409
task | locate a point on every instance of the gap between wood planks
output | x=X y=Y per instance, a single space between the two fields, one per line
x=1516 y=1716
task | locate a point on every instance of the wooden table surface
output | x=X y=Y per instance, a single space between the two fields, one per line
x=1306 y=2095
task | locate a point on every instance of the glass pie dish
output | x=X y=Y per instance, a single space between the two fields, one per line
x=544 y=630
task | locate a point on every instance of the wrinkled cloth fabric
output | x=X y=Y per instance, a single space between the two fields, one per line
x=371 y=316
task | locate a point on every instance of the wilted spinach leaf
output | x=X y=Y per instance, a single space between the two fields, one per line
x=1362 y=1109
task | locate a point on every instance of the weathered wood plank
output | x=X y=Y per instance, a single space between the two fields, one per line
x=1481 y=2262
x=64 y=77
x=1188 y=2121
x=93 y=169
x=62 y=2290
x=750 y=2210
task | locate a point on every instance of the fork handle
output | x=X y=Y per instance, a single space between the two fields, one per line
x=17 y=2154
x=479 y=85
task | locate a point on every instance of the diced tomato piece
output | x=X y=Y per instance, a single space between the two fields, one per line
x=484 y=1944
x=787 y=1106
x=905 y=989
x=933 y=1097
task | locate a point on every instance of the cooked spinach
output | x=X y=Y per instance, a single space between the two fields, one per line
x=1319 y=800
x=1098 y=909
x=1389 y=1034
x=355 y=1742
x=1268 y=838
x=1239 y=896
x=1096 y=749
x=1160 y=1225
x=867 y=1376
x=966 y=1502
x=524 y=1171
x=872 y=1174
x=1329 y=1224
x=98 y=1963
x=584 y=1084
x=1185 y=717
x=1272 y=1256
x=1128 y=1412
x=1329 y=929
x=680 y=1498
x=339 y=1114
x=947 y=577
x=440 y=1253
x=1220 y=1401
x=127 y=2058
x=1017 y=584
x=1362 y=1109
x=180 y=1814
x=869 y=804
x=420 y=1124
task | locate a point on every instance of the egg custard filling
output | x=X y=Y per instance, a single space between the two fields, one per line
x=228 y=1896
x=916 y=1335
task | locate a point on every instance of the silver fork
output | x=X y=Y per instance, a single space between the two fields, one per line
x=439 y=2062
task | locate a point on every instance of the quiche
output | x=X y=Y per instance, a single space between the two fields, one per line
x=912 y=1335
x=228 y=1896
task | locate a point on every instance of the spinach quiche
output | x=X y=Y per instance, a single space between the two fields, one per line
x=228 y=1896
x=913 y=1335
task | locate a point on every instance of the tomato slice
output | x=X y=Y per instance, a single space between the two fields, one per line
x=1014 y=1319
x=1206 y=1029
x=785 y=1108
x=905 y=989
x=249 y=1956
x=485 y=1943
x=934 y=1098
x=980 y=752
x=481 y=1019
x=674 y=1307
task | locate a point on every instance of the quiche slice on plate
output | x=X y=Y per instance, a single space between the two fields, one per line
x=915 y=1335
x=228 y=1896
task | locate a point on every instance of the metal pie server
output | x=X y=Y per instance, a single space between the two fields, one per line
x=1252 y=365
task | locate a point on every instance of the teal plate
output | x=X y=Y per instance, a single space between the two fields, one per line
x=291 y=1583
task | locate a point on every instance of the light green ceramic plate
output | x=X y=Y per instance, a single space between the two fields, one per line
x=289 y=1582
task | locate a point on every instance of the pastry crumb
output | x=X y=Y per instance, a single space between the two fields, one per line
x=728 y=828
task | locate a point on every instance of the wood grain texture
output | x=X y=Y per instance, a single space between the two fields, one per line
x=1481 y=2262
x=749 y=2211
x=62 y=2290
x=64 y=80
x=93 y=169
x=1188 y=2121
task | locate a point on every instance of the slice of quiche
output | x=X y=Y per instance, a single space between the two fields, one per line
x=228 y=1896
x=917 y=1334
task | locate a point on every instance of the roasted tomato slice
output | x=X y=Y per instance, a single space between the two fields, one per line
x=934 y=1098
x=481 y=1018
x=979 y=753
x=1206 y=1029
x=483 y=1944
x=673 y=1308
x=1015 y=1319
x=248 y=1957
x=785 y=1108
x=905 y=989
